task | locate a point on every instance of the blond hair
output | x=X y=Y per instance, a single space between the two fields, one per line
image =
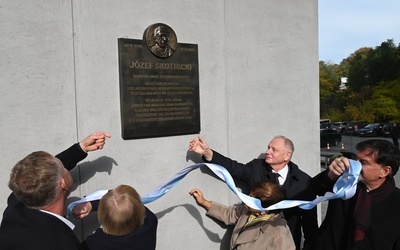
x=121 y=211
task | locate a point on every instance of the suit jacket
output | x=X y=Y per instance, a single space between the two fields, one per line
x=143 y=238
x=273 y=234
x=296 y=187
x=24 y=228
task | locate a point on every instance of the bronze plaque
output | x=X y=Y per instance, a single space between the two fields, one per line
x=161 y=40
x=159 y=94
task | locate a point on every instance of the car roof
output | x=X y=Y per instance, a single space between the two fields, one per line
x=357 y=122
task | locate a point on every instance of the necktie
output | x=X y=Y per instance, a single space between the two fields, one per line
x=276 y=178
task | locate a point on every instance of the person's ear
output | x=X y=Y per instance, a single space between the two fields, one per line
x=385 y=171
x=64 y=185
x=288 y=155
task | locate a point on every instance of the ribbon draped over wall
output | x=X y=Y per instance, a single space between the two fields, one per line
x=345 y=188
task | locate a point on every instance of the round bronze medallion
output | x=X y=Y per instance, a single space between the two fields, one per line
x=160 y=39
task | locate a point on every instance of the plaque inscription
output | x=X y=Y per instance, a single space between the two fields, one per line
x=159 y=96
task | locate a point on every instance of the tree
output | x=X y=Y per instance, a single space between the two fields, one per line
x=358 y=68
x=328 y=85
x=386 y=101
x=373 y=86
x=384 y=64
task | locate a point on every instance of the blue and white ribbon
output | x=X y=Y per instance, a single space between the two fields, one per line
x=345 y=188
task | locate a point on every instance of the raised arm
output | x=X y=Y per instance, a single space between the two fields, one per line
x=338 y=167
x=200 y=200
x=198 y=145
x=77 y=152
x=324 y=181
x=94 y=141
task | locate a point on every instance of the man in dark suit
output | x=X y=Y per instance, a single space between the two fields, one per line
x=40 y=184
x=276 y=166
x=370 y=218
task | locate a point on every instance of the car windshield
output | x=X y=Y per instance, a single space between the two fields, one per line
x=371 y=125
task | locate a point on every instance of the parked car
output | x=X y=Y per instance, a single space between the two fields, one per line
x=354 y=126
x=324 y=121
x=329 y=136
x=325 y=125
x=340 y=127
x=372 y=129
x=386 y=129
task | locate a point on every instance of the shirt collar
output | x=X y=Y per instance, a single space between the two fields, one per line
x=67 y=222
x=283 y=172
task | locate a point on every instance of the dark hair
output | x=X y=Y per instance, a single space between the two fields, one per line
x=268 y=192
x=386 y=154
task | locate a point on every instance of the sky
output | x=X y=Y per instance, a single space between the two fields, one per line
x=347 y=25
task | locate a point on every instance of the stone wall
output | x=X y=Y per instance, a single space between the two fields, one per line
x=258 y=70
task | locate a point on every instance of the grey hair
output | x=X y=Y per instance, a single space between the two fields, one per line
x=288 y=143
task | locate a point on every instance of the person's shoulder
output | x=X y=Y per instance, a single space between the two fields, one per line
x=150 y=216
x=278 y=225
x=394 y=198
x=278 y=219
x=298 y=172
x=257 y=162
x=12 y=200
x=15 y=214
x=37 y=234
x=95 y=239
x=97 y=233
x=397 y=193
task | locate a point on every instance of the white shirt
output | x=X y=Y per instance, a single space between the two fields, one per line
x=282 y=174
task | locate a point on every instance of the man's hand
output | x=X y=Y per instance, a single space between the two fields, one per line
x=338 y=167
x=94 y=141
x=199 y=146
x=82 y=210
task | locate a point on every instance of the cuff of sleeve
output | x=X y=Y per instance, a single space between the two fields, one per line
x=326 y=181
x=204 y=159
x=80 y=149
x=95 y=205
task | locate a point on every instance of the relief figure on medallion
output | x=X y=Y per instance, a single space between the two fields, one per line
x=161 y=40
